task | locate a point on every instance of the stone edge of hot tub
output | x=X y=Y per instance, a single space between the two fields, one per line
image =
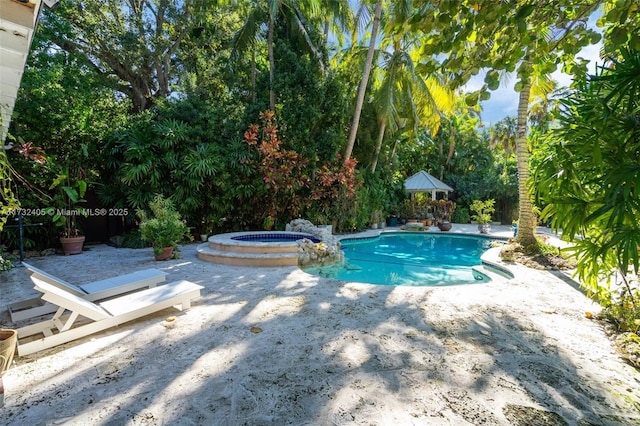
x=223 y=249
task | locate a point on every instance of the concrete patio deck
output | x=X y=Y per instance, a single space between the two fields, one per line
x=279 y=346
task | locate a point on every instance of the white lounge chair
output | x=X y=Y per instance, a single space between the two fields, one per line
x=85 y=317
x=94 y=291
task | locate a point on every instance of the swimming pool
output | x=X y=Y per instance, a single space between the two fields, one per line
x=411 y=259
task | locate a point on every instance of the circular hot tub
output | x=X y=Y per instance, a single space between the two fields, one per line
x=257 y=248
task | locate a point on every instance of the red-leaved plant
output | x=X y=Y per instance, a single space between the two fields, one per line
x=283 y=171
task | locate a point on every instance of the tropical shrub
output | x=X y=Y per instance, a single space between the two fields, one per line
x=9 y=204
x=333 y=193
x=163 y=227
x=286 y=190
x=590 y=182
x=5 y=261
x=283 y=173
x=482 y=210
x=461 y=215
x=443 y=210
x=180 y=150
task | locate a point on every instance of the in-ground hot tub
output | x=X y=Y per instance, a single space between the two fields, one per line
x=258 y=248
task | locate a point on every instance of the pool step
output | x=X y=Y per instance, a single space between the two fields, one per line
x=492 y=263
x=236 y=258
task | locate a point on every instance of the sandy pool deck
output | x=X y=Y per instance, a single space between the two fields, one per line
x=276 y=346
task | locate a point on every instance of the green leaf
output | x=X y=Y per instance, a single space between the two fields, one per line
x=618 y=36
x=471 y=99
x=58 y=180
x=71 y=193
x=519 y=86
x=525 y=11
x=82 y=188
x=492 y=79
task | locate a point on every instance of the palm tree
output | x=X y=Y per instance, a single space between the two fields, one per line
x=526 y=218
x=267 y=13
x=363 y=82
x=544 y=92
x=504 y=132
x=404 y=98
x=539 y=84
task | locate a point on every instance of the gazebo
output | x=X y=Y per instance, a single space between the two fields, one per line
x=424 y=182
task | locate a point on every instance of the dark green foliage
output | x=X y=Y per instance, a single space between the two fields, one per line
x=175 y=150
x=590 y=182
x=461 y=215
x=312 y=109
x=132 y=239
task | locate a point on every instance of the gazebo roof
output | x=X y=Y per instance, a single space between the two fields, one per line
x=424 y=182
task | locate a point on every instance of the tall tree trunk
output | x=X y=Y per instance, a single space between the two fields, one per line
x=363 y=84
x=141 y=97
x=252 y=93
x=393 y=151
x=272 y=65
x=376 y=155
x=441 y=152
x=452 y=146
x=526 y=218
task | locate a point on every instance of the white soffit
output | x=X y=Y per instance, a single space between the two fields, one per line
x=18 y=21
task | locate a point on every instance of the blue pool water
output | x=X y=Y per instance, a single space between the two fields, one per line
x=411 y=259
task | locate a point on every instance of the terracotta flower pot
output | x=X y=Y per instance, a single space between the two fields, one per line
x=8 y=344
x=166 y=254
x=72 y=245
x=8 y=341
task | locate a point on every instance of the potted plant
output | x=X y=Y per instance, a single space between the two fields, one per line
x=443 y=210
x=483 y=211
x=429 y=219
x=73 y=187
x=164 y=228
x=376 y=218
x=407 y=211
x=8 y=345
x=392 y=220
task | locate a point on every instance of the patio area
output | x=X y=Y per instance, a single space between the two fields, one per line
x=279 y=346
